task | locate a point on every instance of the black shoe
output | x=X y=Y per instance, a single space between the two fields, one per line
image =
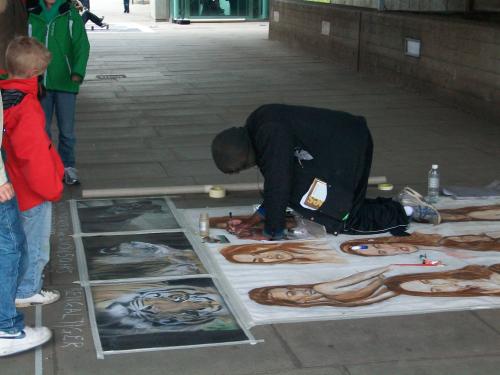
x=71 y=176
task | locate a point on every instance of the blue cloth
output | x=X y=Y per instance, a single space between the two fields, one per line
x=37 y=223
x=64 y=105
x=12 y=265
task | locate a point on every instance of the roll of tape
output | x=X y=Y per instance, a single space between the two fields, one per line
x=385 y=187
x=217 y=192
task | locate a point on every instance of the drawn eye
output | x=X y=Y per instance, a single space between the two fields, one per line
x=179 y=297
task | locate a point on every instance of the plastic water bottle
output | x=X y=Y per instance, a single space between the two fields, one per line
x=204 y=225
x=433 y=184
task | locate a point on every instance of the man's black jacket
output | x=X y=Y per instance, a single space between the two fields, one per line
x=341 y=148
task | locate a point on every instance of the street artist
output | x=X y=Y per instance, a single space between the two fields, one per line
x=316 y=161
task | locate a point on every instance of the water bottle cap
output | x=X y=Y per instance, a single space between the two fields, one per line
x=435 y=166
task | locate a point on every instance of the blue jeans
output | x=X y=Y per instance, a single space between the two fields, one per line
x=12 y=265
x=37 y=223
x=64 y=104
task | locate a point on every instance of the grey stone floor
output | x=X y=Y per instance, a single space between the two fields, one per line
x=153 y=128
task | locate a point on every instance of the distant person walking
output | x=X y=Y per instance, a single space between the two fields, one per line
x=69 y=45
x=84 y=8
x=126 y=8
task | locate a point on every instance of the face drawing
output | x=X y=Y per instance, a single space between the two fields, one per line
x=472 y=213
x=270 y=256
x=493 y=215
x=453 y=285
x=385 y=249
x=137 y=251
x=292 y=252
x=294 y=294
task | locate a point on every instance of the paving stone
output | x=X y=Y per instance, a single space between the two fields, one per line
x=489 y=317
x=89 y=145
x=228 y=360
x=181 y=140
x=120 y=182
x=121 y=171
x=192 y=152
x=114 y=133
x=126 y=156
x=191 y=168
x=391 y=338
x=482 y=365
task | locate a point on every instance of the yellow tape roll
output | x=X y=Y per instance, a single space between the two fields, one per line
x=217 y=192
x=385 y=187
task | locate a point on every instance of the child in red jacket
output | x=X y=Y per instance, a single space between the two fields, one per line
x=33 y=165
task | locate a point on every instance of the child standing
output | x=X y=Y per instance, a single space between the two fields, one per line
x=58 y=25
x=33 y=165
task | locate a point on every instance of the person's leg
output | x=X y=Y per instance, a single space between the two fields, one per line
x=37 y=227
x=363 y=166
x=65 y=111
x=378 y=216
x=14 y=336
x=95 y=19
x=12 y=253
x=85 y=16
x=47 y=102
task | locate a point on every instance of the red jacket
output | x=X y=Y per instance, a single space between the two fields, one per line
x=33 y=165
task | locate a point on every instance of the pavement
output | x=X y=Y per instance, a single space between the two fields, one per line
x=153 y=127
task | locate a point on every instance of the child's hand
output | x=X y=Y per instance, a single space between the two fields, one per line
x=6 y=192
x=76 y=78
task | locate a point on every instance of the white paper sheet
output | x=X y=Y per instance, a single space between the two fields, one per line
x=241 y=278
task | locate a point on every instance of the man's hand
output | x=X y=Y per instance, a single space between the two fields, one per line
x=246 y=231
x=237 y=226
x=6 y=192
x=76 y=78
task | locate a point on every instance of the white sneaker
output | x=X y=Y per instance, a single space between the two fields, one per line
x=43 y=298
x=27 y=339
x=423 y=212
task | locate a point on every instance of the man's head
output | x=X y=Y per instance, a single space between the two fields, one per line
x=26 y=57
x=232 y=150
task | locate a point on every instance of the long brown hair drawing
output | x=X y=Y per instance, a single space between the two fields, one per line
x=300 y=252
x=472 y=213
x=369 y=287
x=386 y=246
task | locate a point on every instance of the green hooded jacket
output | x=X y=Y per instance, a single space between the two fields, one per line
x=66 y=38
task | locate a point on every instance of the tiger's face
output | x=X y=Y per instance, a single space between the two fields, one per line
x=175 y=306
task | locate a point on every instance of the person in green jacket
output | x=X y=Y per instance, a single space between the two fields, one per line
x=58 y=25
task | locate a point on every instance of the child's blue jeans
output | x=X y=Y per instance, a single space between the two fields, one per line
x=12 y=264
x=37 y=223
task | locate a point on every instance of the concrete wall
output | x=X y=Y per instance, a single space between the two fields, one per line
x=425 y=5
x=428 y=5
x=460 y=59
x=160 y=10
x=487 y=5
